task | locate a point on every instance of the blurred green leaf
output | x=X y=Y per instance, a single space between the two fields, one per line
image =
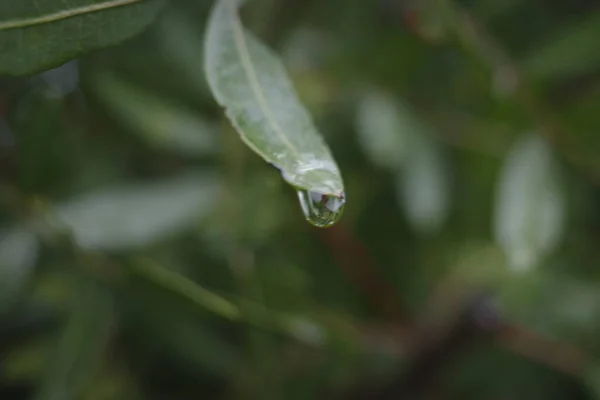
x=423 y=186
x=155 y=119
x=250 y=81
x=18 y=254
x=569 y=52
x=78 y=353
x=135 y=215
x=385 y=130
x=530 y=204
x=37 y=35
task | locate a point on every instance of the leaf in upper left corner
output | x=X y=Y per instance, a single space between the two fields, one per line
x=36 y=35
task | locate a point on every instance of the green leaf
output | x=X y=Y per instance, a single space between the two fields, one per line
x=135 y=215
x=79 y=348
x=40 y=34
x=572 y=51
x=250 y=81
x=385 y=129
x=423 y=186
x=156 y=120
x=530 y=205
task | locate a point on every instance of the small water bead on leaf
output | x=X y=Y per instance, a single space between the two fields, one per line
x=321 y=210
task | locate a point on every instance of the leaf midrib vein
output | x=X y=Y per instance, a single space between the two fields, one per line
x=60 y=15
x=246 y=61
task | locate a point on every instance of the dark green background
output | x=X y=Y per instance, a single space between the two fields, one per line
x=100 y=325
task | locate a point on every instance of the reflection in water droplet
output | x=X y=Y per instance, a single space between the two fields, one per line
x=319 y=209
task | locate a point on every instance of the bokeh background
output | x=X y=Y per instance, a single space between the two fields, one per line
x=147 y=253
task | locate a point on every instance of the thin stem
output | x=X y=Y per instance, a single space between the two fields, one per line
x=556 y=355
x=188 y=289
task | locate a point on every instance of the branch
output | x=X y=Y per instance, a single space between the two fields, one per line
x=478 y=320
x=433 y=350
x=356 y=263
x=562 y=357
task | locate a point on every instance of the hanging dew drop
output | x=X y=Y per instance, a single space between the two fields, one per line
x=321 y=210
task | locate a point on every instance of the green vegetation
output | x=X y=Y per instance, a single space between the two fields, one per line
x=159 y=160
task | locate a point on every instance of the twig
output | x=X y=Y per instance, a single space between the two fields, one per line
x=560 y=356
x=432 y=349
x=478 y=320
x=355 y=261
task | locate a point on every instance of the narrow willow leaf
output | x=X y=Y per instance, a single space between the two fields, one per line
x=384 y=129
x=78 y=352
x=136 y=215
x=18 y=254
x=529 y=213
x=40 y=34
x=424 y=188
x=249 y=80
x=157 y=121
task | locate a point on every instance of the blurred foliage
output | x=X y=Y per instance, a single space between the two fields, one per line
x=147 y=253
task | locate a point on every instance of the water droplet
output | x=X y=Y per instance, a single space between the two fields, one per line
x=321 y=210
